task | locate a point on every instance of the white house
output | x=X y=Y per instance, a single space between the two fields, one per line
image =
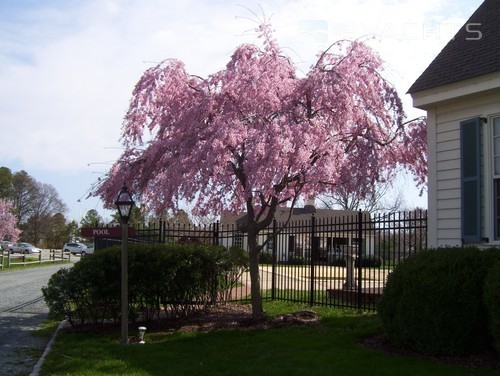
x=333 y=230
x=460 y=90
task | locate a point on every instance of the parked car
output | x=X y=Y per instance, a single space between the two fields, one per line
x=90 y=249
x=24 y=248
x=75 y=248
x=5 y=245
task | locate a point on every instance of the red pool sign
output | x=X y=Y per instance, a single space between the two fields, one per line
x=105 y=232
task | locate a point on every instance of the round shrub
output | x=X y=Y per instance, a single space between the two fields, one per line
x=492 y=302
x=433 y=302
x=57 y=295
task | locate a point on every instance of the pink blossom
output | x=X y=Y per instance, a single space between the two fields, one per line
x=8 y=227
x=256 y=129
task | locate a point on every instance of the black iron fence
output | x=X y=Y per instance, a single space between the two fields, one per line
x=342 y=261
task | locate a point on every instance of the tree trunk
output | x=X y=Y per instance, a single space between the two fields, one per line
x=257 y=310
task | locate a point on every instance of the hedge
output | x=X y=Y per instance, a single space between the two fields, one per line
x=492 y=302
x=171 y=280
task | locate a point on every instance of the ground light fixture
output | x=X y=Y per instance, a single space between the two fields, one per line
x=142 y=330
x=124 y=203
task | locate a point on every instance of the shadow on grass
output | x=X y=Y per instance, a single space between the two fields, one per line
x=331 y=348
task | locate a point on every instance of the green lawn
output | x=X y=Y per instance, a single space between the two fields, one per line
x=31 y=262
x=330 y=349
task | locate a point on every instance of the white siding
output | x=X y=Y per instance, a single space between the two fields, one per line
x=447 y=183
x=444 y=165
x=432 y=179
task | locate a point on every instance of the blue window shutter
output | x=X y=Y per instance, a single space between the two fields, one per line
x=470 y=162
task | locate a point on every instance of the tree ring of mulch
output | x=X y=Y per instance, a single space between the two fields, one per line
x=228 y=316
x=232 y=316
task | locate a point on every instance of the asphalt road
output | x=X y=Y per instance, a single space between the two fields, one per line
x=22 y=309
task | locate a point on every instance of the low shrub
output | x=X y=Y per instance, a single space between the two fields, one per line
x=174 y=279
x=369 y=262
x=433 y=302
x=88 y=292
x=265 y=257
x=337 y=261
x=492 y=302
x=296 y=260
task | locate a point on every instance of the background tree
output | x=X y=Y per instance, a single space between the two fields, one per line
x=8 y=227
x=206 y=220
x=137 y=217
x=37 y=207
x=5 y=182
x=256 y=136
x=180 y=217
x=92 y=219
x=72 y=230
x=58 y=232
x=24 y=189
x=44 y=204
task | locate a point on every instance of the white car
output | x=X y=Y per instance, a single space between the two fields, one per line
x=75 y=248
x=90 y=249
x=24 y=248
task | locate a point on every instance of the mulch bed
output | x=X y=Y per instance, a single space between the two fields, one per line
x=232 y=316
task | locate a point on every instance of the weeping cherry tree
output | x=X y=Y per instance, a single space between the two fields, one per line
x=256 y=135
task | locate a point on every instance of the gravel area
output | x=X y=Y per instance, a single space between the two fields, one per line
x=22 y=310
x=19 y=348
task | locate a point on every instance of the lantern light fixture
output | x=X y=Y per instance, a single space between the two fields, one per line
x=124 y=203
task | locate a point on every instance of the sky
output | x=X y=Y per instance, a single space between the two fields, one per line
x=68 y=67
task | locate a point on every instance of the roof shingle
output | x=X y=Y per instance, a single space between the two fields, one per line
x=474 y=51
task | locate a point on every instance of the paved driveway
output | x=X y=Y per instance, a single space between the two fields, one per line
x=22 y=309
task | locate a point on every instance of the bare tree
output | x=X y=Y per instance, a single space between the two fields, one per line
x=383 y=197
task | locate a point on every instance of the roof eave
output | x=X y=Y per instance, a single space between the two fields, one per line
x=429 y=98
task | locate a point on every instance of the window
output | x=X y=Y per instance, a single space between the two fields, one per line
x=291 y=244
x=496 y=176
x=238 y=240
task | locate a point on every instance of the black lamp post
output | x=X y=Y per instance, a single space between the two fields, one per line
x=124 y=203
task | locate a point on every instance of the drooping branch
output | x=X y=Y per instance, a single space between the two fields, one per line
x=255 y=136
